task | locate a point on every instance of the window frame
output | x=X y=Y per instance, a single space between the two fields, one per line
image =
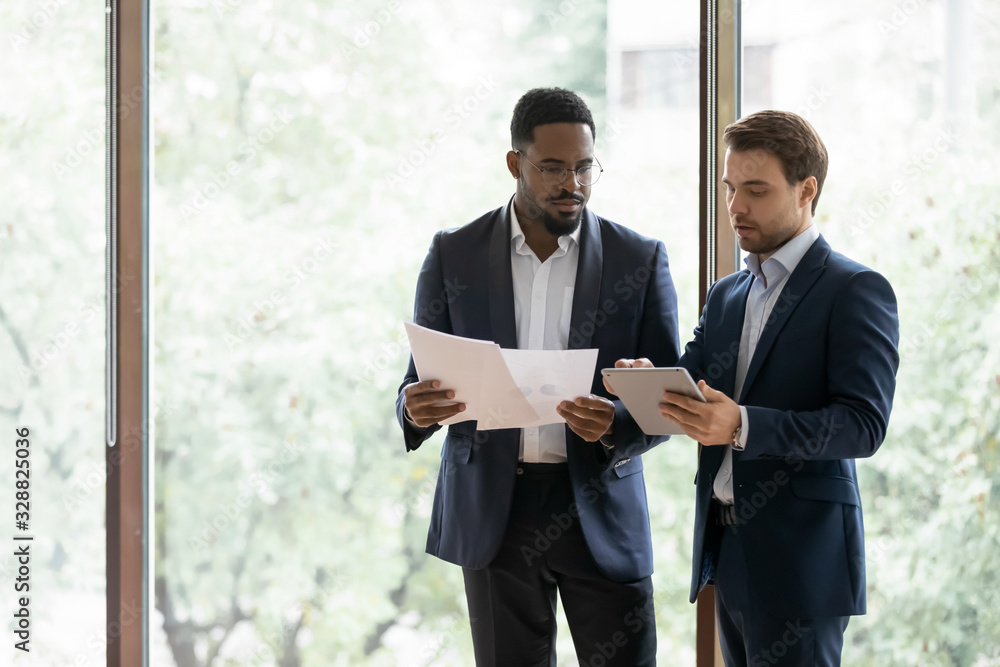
x=129 y=334
x=127 y=382
x=720 y=79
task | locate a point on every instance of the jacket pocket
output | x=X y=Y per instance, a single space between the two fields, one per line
x=629 y=466
x=827 y=488
x=457 y=448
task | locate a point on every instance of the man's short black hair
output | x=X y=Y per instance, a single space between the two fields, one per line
x=541 y=106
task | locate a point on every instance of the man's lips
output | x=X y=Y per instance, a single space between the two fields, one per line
x=743 y=230
x=567 y=205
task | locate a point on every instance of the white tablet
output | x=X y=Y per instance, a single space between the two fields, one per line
x=641 y=390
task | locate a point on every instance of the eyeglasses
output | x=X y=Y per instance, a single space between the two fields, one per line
x=585 y=175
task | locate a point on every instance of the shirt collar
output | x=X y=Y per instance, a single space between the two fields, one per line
x=784 y=261
x=517 y=235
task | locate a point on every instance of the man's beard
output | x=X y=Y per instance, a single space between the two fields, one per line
x=770 y=243
x=561 y=227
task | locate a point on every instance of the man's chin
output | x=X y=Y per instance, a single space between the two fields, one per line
x=759 y=247
x=562 y=226
x=754 y=246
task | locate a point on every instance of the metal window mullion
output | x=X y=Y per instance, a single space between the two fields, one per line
x=720 y=84
x=711 y=173
x=111 y=225
x=126 y=384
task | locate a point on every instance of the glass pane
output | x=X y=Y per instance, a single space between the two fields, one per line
x=653 y=187
x=305 y=153
x=52 y=296
x=905 y=96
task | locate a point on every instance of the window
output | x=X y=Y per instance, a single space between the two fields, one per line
x=893 y=88
x=52 y=312
x=304 y=157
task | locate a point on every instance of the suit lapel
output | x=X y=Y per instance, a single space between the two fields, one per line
x=501 y=282
x=802 y=279
x=587 y=294
x=711 y=459
x=735 y=310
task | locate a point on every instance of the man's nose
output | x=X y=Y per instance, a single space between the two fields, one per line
x=737 y=203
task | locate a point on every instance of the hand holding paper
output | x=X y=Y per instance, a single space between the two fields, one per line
x=549 y=377
x=474 y=370
x=500 y=388
x=590 y=417
x=427 y=404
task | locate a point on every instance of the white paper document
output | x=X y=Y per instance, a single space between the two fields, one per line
x=501 y=388
x=548 y=377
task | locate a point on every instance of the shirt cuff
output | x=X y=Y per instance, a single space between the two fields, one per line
x=744 y=430
x=406 y=416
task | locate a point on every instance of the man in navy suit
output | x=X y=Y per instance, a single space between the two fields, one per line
x=527 y=512
x=797 y=358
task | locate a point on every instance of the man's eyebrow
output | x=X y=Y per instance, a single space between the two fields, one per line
x=756 y=181
x=552 y=160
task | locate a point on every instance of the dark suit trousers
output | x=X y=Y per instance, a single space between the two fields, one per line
x=512 y=602
x=752 y=637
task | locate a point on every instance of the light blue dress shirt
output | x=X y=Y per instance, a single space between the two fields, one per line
x=769 y=279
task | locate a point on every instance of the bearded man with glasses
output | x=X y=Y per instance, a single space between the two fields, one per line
x=559 y=508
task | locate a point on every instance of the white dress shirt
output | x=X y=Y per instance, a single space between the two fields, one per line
x=769 y=279
x=543 y=306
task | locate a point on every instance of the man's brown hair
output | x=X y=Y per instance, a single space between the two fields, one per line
x=786 y=135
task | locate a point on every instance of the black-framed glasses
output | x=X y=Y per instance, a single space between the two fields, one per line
x=586 y=175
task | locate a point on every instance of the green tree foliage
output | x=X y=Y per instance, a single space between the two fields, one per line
x=932 y=492
x=304 y=153
x=925 y=213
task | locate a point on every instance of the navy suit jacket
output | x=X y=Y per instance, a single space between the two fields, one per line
x=624 y=305
x=818 y=393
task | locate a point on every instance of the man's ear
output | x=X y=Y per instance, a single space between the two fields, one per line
x=514 y=164
x=808 y=193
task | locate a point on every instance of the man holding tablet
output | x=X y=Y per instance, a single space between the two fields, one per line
x=796 y=357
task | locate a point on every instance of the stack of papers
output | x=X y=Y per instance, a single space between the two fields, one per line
x=501 y=388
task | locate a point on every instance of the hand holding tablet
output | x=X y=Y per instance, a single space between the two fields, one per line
x=641 y=390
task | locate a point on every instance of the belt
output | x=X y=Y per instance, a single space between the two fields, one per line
x=725 y=515
x=542 y=470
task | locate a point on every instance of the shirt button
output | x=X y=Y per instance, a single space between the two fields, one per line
x=723 y=472
x=531 y=431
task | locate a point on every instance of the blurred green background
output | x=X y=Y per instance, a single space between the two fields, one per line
x=303 y=156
